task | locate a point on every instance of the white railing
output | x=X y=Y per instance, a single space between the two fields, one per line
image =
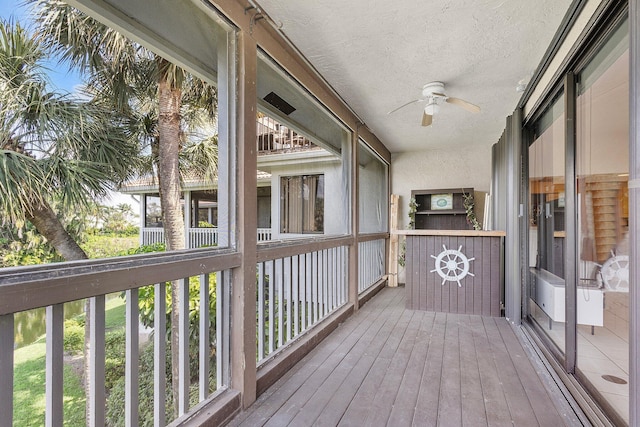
x=295 y=292
x=371 y=263
x=151 y=235
x=264 y=234
x=67 y=282
x=275 y=138
x=197 y=237
x=200 y=237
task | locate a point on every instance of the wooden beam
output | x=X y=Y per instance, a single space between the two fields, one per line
x=243 y=310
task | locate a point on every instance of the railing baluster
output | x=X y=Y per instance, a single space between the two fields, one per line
x=159 y=354
x=334 y=273
x=324 y=279
x=261 y=311
x=183 y=347
x=204 y=343
x=223 y=299
x=302 y=279
x=271 y=299
x=221 y=333
x=6 y=369
x=309 y=284
x=288 y=300
x=345 y=274
x=54 y=365
x=316 y=291
x=96 y=361
x=295 y=297
x=280 y=292
x=131 y=401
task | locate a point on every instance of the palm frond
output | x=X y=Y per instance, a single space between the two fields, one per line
x=19 y=175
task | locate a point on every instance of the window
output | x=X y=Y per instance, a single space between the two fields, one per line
x=302 y=204
x=153 y=214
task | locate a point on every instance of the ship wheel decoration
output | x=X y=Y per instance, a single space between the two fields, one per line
x=615 y=273
x=452 y=265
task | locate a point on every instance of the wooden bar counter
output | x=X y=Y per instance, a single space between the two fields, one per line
x=455 y=271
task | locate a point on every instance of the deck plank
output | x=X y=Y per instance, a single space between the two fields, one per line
x=495 y=401
x=361 y=404
x=450 y=404
x=304 y=391
x=391 y=366
x=387 y=392
x=278 y=394
x=354 y=367
x=405 y=402
x=473 y=409
x=536 y=393
x=519 y=406
x=426 y=412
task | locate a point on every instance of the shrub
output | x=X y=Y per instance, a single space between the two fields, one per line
x=114 y=357
x=115 y=402
x=73 y=336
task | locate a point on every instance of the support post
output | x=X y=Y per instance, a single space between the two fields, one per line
x=634 y=211
x=243 y=313
x=394 y=249
x=355 y=223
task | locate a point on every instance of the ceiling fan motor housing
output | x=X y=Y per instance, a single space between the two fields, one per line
x=432 y=88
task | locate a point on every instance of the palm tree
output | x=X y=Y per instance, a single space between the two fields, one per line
x=161 y=102
x=53 y=148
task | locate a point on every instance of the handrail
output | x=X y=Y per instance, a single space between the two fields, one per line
x=284 y=248
x=25 y=288
x=366 y=237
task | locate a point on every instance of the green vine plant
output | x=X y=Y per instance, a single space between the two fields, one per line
x=469 y=204
x=413 y=208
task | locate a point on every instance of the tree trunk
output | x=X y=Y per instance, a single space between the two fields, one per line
x=169 y=102
x=47 y=223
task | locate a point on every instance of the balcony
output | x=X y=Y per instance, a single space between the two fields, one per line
x=385 y=365
x=301 y=288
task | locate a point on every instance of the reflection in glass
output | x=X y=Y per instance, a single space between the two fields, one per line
x=602 y=159
x=303 y=164
x=372 y=191
x=547 y=223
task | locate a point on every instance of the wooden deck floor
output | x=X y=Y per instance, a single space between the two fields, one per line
x=389 y=366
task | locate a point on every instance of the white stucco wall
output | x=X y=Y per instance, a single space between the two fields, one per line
x=419 y=170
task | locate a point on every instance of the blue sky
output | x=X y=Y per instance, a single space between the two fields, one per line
x=59 y=74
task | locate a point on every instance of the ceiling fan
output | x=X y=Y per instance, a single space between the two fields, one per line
x=433 y=95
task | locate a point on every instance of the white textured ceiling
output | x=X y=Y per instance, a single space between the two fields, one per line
x=378 y=54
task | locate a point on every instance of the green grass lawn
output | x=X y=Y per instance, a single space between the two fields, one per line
x=98 y=246
x=29 y=378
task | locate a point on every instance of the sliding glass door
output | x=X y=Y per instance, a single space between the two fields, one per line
x=602 y=169
x=591 y=242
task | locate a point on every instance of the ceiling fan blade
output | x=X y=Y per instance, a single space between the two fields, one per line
x=427 y=119
x=404 y=105
x=464 y=104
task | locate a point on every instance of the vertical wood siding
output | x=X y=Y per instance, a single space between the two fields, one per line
x=480 y=293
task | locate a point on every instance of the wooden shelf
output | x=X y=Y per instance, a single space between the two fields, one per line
x=442 y=212
x=454 y=218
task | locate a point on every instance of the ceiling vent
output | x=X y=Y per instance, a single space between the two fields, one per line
x=279 y=103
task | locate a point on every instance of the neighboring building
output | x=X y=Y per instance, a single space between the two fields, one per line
x=291 y=200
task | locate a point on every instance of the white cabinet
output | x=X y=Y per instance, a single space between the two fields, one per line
x=550 y=297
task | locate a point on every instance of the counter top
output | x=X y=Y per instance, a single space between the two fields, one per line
x=463 y=233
